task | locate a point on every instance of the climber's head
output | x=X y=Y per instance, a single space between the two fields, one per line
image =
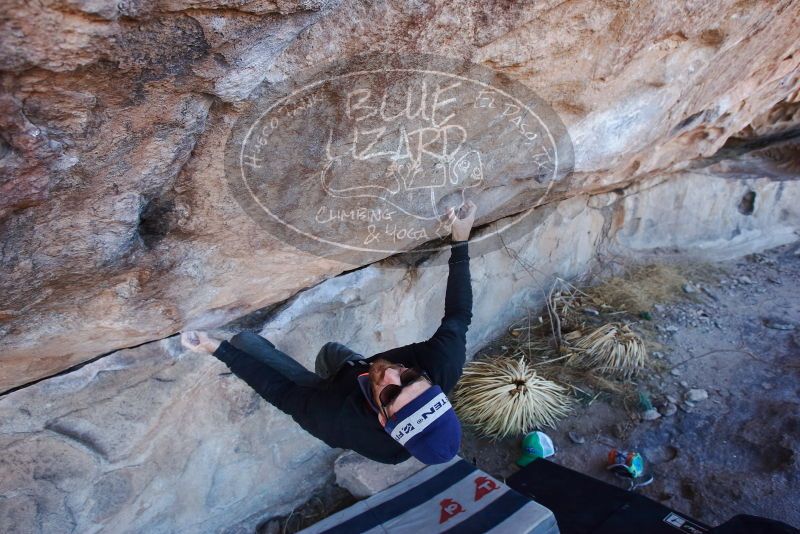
x=415 y=412
x=394 y=385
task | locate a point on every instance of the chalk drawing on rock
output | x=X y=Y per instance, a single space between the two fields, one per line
x=362 y=158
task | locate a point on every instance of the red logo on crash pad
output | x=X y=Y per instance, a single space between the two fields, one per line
x=483 y=486
x=449 y=509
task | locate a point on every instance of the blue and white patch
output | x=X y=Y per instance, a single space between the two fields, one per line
x=421 y=419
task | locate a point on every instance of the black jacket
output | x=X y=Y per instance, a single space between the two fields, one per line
x=337 y=412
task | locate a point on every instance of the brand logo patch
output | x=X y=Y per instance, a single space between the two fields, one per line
x=450 y=508
x=484 y=485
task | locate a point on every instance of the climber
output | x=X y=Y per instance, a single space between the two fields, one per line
x=387 y=407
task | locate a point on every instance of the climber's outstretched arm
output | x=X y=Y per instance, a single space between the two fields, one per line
x=444 y=354
x=306 y=405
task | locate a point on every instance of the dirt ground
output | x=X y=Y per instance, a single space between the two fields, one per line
x=733 y=331
x=735 y=335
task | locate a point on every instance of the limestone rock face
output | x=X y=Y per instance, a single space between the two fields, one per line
x=708 y=217
x=115 y=446
x=116 y=224
x=118 y=229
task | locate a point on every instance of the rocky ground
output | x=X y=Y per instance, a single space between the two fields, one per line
x=726 y=385
x=724 y=435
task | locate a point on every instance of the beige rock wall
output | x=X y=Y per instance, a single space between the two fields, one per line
x=116 y=224
x=708 y=217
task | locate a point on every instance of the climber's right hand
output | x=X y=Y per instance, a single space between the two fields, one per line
x=462 y=222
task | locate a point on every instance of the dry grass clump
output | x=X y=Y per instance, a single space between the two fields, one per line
x=565 y=306
x=504 y=396
x=565 y=310
x=640 y=288
x=577 y=344
x=612 y=349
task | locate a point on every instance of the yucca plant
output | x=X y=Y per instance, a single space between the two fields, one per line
x=504 y=396
x=612 y=349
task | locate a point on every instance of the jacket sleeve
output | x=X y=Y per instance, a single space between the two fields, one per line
x=309 y=407
x=444 y=354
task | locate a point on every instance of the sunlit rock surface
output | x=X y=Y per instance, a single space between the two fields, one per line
x=116 y=223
